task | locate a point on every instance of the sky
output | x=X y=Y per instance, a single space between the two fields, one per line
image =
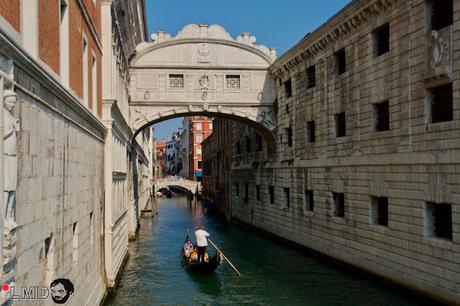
x=277 y=24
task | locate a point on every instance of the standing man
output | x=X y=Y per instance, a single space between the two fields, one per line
x=201 y=241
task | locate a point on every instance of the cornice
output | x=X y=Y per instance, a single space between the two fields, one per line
x=342 y=25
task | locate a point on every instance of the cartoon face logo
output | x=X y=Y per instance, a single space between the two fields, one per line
x=61 y=290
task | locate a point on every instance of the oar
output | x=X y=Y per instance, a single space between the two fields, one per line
x=225 y=257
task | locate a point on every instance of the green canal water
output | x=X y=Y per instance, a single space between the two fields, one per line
x=273 y=273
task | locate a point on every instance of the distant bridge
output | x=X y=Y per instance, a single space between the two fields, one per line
x=192 y=186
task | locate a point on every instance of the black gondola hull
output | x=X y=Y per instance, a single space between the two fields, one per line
x=202 y=267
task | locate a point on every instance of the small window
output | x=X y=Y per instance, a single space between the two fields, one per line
x=237 y=190
x=198 y=126
x=311 y=77
x=246 y=191
x=176 y=81
x=310 y=131
x=238 y=148
x=379 y=211
x=48 y=241
x=287 y=197
x=271 y=193
x=341 y=61
x=381 y=116
x=258 y=192
x=442 y=104
x=382 y=40
x=308 y=204
x=259 y=144
x=438 y=220
x=198 y=151
x=289 y=136
x=199 y=138
x=75 y=243
x=338 y=205
x=232 y=81
x=340 y=125
x=442 y=14
x=288 y=88
x=248 y=144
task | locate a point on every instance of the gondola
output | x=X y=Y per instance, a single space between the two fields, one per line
x=204 y=266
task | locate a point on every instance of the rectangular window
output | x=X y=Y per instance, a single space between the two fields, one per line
x=238 y=148
x=288 y=88
x=311 y=131
x=311 y=77
x=198 y=151
x=246 y=191
x=64 y=43
x=288 y=132
x=442 y=104
x=259 y=145
x=199 y=138
x=341 y=61
x=308 y=204
x=438 y=220
x=340 y=125
x=287 y=197
x=442 y=14
x=258 y=192
x=198 y=126
x=232 y=81
x=237 y=190
x=381 y=116
x=271 y=193
x=176 y=81
x=94 y=90
x=200 y=165
x=75 y=243
x=248 y=144
x=382 y=40
x=91 y=229
x=85 y=72
x=379 y=211
x=338 y=205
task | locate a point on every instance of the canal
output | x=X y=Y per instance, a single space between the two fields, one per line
x=273 y=273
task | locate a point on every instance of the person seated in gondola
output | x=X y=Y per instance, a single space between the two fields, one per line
x=188 y=248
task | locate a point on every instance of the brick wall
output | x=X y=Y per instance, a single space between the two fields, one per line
x=48 y=31
x=10 y=10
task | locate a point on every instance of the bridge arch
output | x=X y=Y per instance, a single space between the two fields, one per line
x=189 y=185
x=203 y=71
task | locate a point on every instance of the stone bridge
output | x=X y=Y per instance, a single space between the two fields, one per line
x=192 y=186
x=203 y=71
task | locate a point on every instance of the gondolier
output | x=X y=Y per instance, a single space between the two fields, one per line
x=201 y=241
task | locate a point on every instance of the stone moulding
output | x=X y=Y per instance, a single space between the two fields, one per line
x=343 y=24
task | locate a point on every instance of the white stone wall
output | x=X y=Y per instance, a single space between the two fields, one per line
x=60 y=184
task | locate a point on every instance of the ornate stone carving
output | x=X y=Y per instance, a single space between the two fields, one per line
x=440 y=52
x=10 y=178
x=204 y=54
x=146 y=95
x=204 y=82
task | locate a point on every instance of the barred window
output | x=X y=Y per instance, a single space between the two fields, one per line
x=311 y=131
x=438 y=220
x=176 y=81
x=379 y=211
x=442 y=104
x=232 y=81
x=271 y=193
x=311 y=77
x=340 y=125
x=382 y=116
x=308 y=200
x=287 y=197
x=382 y=40
x=288 y=89
x=258 y=192
x=259 y=145
x=338 y=205
x=341 y=60
x=442 y=14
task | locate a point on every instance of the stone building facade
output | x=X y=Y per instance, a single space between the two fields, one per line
x=367 y=162
x=217 y=163
x=67 y=141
